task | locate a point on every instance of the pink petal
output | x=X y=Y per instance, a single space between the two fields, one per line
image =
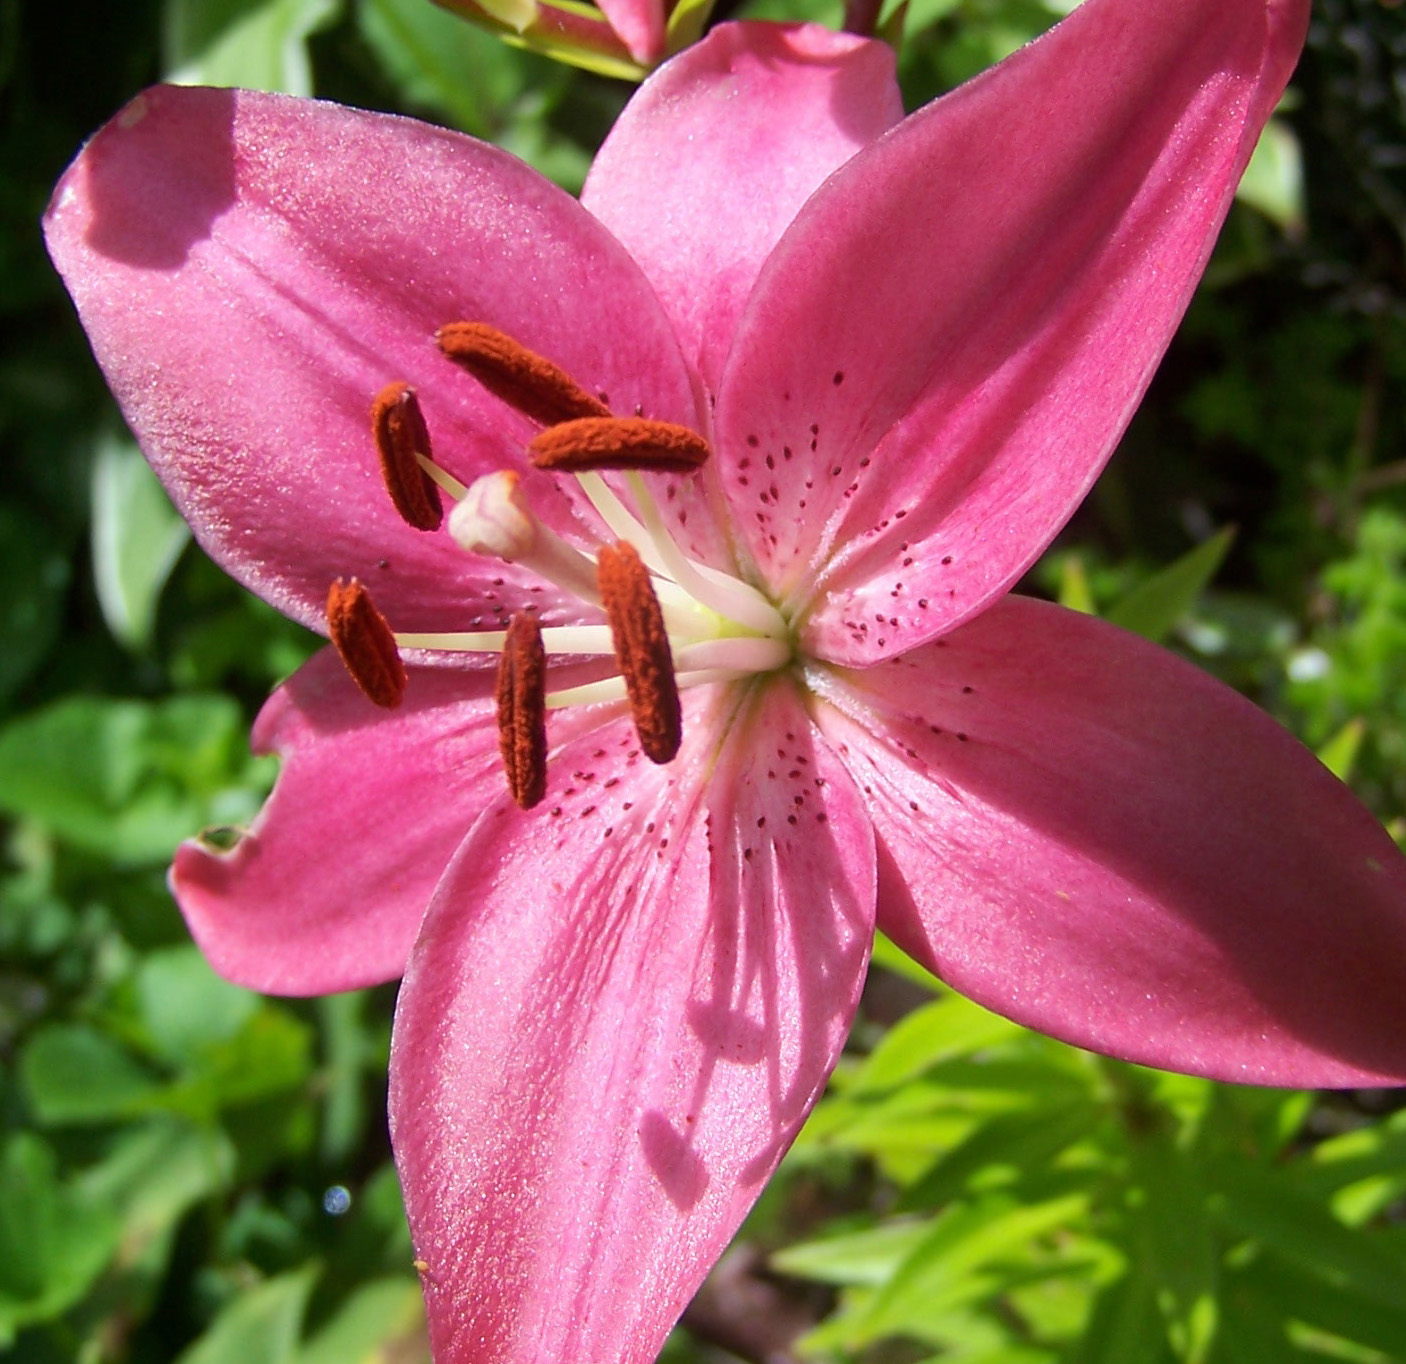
x=619 y=1011
x=1091 y=836
x=640 y=24
x=957 y=328
x=252 y=269
x=719 y=149
x=327 y=889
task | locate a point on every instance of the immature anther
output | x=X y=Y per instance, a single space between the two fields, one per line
x=400 y=431
x=641 y=649
x=365 y=642
x=522 y=709
x=618 y=443
x=520 y=377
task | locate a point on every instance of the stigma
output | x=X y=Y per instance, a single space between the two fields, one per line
x=668 y=621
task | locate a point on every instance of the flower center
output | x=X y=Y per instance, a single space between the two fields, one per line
x=670 y=621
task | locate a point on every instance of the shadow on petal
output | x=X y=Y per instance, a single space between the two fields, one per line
x=678 y=1167
x=131 y=170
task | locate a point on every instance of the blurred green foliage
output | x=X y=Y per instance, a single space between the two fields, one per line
x=190 y=1172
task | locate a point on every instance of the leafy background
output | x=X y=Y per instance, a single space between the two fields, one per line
x=191 y=1172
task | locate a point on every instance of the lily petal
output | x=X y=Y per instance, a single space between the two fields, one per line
x=1093 y=837
x=613 y=1024
x=958 y=327
x=718 y=150
x=641 y=25
x=252 y=269
x=365 y=799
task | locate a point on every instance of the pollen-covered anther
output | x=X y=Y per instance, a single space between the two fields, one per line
x=361 y=636
x=590 y=443
x=520 y=377
x=399 y=428
x=522 y=709
x=641 y=649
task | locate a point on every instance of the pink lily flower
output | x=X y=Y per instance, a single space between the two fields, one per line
x=903 y=349
x=617 y=37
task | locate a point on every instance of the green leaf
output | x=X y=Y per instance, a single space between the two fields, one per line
x=154 y=1173
x=378 y=1324
x=1266 y=1205
x=972 y=1252
x=1372 y=1156
x=1155 y=606
x=1339 y=754
x=254 y=44
x=33 y=577
x=53 y=1241
x=1273 y=181
x=440 y=62
x=920 y=15
x=1125 y=1326
x=125 y=779
x=950 y=1026
x=261 y=1325
x=1175 y=1231
x=862 y=1257
x=345 y=1047
x=185 y=1007
x=1010 y=1149
x=686 y=24
x=137 y=538
x=1304 y=1297
x=72 y=1074
x=1074 y=589
x=270 y=1055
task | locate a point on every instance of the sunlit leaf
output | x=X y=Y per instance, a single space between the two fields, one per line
x=1175 y=1232
x=72 y=1073
x=53 y=1241
x=127 y=779
x=862 y=1257
x=137 y=538
x=1155 y=606
x=1260 y=1203
x=949 y=1027
x=260 y=1325
x=254 y=44
x=1273 y=181
x=186 y=1008
x=383 y=1322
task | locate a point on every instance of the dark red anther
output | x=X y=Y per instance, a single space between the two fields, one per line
x=618 y=443
x=520 y=377
x=365 y=642
x=400 y=431
x=641 y=649
x=522 y=709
